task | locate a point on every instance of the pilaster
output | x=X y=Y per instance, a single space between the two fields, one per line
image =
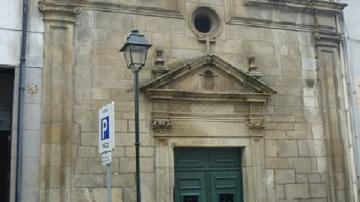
x=57 y=118
x=331 y=102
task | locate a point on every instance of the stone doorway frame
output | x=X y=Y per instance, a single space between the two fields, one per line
x=252 y=159
x=175 y=127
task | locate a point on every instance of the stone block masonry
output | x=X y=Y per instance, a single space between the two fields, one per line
x=292 y=141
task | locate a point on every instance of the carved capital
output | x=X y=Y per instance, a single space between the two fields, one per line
x=329 y=39
x=256 y=128
x=161 y=125
x=55 y=11
x=256 y=125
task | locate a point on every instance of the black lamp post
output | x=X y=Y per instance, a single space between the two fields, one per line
x=135 y=51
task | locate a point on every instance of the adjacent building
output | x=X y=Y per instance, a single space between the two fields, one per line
x=10 y=47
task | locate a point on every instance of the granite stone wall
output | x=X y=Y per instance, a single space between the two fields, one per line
x=301 y=155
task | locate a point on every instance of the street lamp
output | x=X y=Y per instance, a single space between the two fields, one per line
x=135 y=51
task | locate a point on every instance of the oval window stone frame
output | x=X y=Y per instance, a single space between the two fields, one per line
x=215 y=22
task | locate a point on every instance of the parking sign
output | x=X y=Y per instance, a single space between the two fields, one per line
x=106 y=128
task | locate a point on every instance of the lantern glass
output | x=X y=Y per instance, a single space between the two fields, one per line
x=127 y=55
x=138 y=55
x=135 y=50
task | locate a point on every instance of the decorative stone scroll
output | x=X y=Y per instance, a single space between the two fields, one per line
x=256 y=127
x=161 y=125
x=256 y=124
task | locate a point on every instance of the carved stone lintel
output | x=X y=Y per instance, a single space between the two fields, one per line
x=161 y=125
x=54 y=11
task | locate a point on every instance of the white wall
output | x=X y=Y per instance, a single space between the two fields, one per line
x=10 y=43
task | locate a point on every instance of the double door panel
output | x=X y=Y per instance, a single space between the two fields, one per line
x=208 y=175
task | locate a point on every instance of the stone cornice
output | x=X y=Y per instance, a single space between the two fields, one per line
x=306 y=5
x=54 y=11
x=253 y=84
x=169 y=94
x=232 y=117
x=54 y=6
x=140 y=10
x=255 y=22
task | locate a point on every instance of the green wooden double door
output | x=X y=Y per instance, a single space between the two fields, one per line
x=208 y=175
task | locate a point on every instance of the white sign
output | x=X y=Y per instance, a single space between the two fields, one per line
x=106 y=128
x=106 y=158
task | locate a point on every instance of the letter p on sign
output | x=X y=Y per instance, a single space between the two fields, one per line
x=106 y=128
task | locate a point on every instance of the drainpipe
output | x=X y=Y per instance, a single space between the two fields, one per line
x=20 y=128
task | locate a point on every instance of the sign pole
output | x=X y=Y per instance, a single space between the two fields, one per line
x=109 y=183
x=107 y=141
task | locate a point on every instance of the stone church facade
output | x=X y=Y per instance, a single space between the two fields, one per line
x=241 y=100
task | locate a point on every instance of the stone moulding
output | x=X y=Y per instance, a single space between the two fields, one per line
x=255 y=22
x=257 y=86
x=319 y=6
x=55 y=6
x=142 y=10
x=169 y=94
x=216 y=23
x=314 y=7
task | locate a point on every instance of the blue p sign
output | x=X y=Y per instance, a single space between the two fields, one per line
x=105 y=128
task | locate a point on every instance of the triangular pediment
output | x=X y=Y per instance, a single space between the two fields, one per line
x=207 y=77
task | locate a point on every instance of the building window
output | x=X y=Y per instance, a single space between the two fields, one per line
x=205 y=22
